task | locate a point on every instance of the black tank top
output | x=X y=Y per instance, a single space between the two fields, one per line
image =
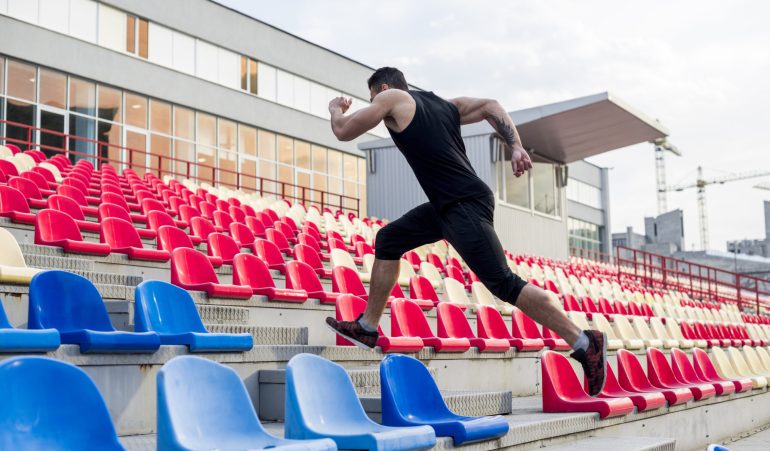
x=434 y=148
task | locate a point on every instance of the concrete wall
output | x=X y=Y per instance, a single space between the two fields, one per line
x=767 y=221
x=666 y=228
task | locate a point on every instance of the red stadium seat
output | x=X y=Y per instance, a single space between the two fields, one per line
x=122 y=238
x=191 y=270
x=346 y=280
x=642 y=401
x=8 y=168
x=452 y=323
x=56 y=228
x=685 y=372
x=74 y=211
x=490 y=324
x=436 y=261
x=300 y=276
x=222 y=246
x=30 y=191
x=14 y=206
x=270 y=254
x=457 y=274
x=237 y=214
x=187 y=212
x=39 y=181
x=249 y=270
x=149 y=204
x=522 y=326
x=256 y=226
x=221 y=205
x=554 y=341
x=606 y=308
x=308 y=240
x=662 y=376
x=349 y=308
x=632 y=378
x=563 y=392
x=421 y=288
x=222 y=220
x=242 y=235
x=620 y=308
x=115 y=198
x=307 y=254
x=279 y=239
x=171 y=237
x=109 y=210
x=75 y=194
x=249 y=210
x=363 y=248
x=207 y=210
x=175 y=203
x=201 y=228
x=398 y=293
x=407 y=320
x=156 y=219
x=413 y=258
x=706 y=371
x=286 y=231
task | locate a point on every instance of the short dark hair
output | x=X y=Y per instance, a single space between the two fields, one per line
x=390 y=76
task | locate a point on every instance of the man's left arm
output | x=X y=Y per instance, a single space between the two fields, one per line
x=347 y=128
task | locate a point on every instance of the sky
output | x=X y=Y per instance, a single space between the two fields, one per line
x=701 y=67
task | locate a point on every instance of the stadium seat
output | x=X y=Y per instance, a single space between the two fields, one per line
x=405 y=272
x=26 y=340
x=340 y=257
x=456 y=294
x=645 y=334
x=69 y=206
x=346 y=280
x=741 y=366
x=726 y=370
x=625 y=332
x=349 y=307
x=431 y=273
x=13 y=268
x=256 y=226
x=56 y=228
x=659 y=329
x=72 y=305
x=270 y=254
x=398 y=293
x=661 y=375
x=80 y=198
x=407 y=320
x=205 y=405
x=300 y=276
x=522 y=326
x=684 y=371
x=482 y=296
x=286 y=230
x=279 y=239
x=632 y=378
x=201 y=228
x=563 y=392
x=554 y=341
x=41 y=397
x=643 y=401
x=171 y=237
x=677 y=331
x=222 y=246
x=250 y=271
x=456 y=273
x=452 y=323
x=422 y=288
x=307 y=254
x=13 y=205
x=115 y=198
x=122 y=238
x=322 y=402
x=754 y=362
x=410 y=397
x=156 y=219
x=30 y=191
x=192 y=270
x=413 y=258
x=110 y=210
x=170 y=312
x=222 y=220
x=490 y=324
x=242 y=235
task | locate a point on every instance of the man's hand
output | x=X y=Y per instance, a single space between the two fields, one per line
x=520 y=161
x=340 y=104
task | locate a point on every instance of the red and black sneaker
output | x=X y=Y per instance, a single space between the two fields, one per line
x=594 y=361
x=354 y=332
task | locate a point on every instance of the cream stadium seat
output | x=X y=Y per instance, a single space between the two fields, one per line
x=755 y=362
x=455 y=293
x=644 y=333
x=659 y=310
x=54 y=170
x=26 y=161
x=481 y=295
x=659 y=330
x=764 y=356
x=342 y=258
x=5 y=152
x=368 y=262
x=601 y=323
x=674 y=331
x=726 y=370
x=625 y=332
x=13 y=268
x=405 y=272
x=431 y=273
x=741 y=366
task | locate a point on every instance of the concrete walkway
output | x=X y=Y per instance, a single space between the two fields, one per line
x=757 y=442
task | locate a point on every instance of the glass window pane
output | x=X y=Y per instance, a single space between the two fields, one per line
x=228 y=169
x=2 y=76
x=516 y=188
x=247 y=140
x=334 y=159
x=266 y=78
x=23 y=113
x=110 y=140
x=267 y=145
x=21 y=80
x=136 y=146
x=227 y=135
x=244 y=73
x=286 y=175
x=285 y=150
x=54 y=15
x=335 y=187
x=205 y=159
x=362 y=200
x=349 y=167
x=248 y=173
x=83 y=19
x=302 y=154
x=301 y=94
x=112 y=28
x=183 y=156
x=184 y=53
x=285 y=88
x=52 y=137
x=206 y=61
x=161 y=45
x=160 y=117
x=85 y=129
x=160 y=149
x=544 y=188
x=184 y=123
x=253 y=77
x=206 y=129
x=131 y=34
x=136 y=110
x=319 y=185
x=23 y=10
x=319 y=103
x=110 y=104
x=362 y=170
x=319 y=158
x=53 y=89
x=267 y=171
x=82 y=96
x=143 y=41
x=228 y=68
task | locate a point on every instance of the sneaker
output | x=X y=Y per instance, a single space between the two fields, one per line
x=594 y=361
x=352 y=331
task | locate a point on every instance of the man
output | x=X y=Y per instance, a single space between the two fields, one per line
x=426 y=129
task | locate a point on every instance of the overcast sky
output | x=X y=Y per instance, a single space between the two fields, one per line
x=701 y=67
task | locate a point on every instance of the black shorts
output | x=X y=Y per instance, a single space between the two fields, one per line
x=468 y=225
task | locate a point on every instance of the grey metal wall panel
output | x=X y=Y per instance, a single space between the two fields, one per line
x=585 y=213
x=586 y=172
x=524 y=232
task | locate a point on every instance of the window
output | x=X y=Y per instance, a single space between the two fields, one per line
x=301 y=94
x=21 y=81
x=83 y=19
x=228 y=168
x=319 y=158
x=227 y=135
x=23 y=10
x=349 y=167
x=84 y=128
x=334 y=160
x=82 y=97
x=161 y=45
x=285 y=150
x=514 y=190
x=136 y=110
x=2 y=76
x=21 y=112
x=53 y=89
x=266 y=79
x=583 y=235
x=228 y=68
x=206 y=61
x=110 y=134
x=248 y=75
x=206 y=129
x=110 y=104
x=544 y=188
x=112 y=28
x=184 y=123
x=247 y=140
x=54 y=15
x=285 y=88
x=319 y=103
x=137 y=31
x=160 y=149
x=301 y=154
x=584 y=193
x=160 y=117
x=183 y=53
x=267 y=145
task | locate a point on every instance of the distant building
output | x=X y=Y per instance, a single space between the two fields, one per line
x=754 y=247
x=663 y=234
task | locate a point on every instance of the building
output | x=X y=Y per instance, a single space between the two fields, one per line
x=152 y=84
x=759 y=248
x=562 y=202
x=663 y=234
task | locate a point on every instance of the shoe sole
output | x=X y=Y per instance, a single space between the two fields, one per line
x=352 y=340
x=604 y=361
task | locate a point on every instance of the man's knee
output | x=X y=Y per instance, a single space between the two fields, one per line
x=506 y=286
x=386 y=244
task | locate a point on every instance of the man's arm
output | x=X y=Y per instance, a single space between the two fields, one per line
x=475 y=110
x=350 y=127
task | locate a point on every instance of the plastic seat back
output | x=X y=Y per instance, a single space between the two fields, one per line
x=436 y=261
x=409 y=392
x=237 y=213
x=421 y=288
x=522 y=326
x=242 y=234
x=201 y=227
x=455 y=273
x=115 y=198
x=66 y=205
x=413 y=258
x=10 y=251
x=430 y=272
x=149 y=204
x=189 y=267
x=703 y=365
x=187 y=213
x=221 y=245
x=256 y=226
x=300 y=276
x=452 y=322
x=307 y=254
x=27 y=187
x=170 y=237
x=284 y=229
x=110 y=210
x=119 y=233
x=40 y=396
x=156 y=219
x=54 y=225
x=346 y=280
x=73 y=193
x=490 y=323
x=250 y=271
x=37 y=179
x=683 y=368
x=222 y=219
x=625 y=331
x=269 y=252
x=67 y=302
x=12 y=200
x=340 y=257
x=306 y=239
x=165 y=309
x=8 y=168
x=278 y=238
x=408 y=320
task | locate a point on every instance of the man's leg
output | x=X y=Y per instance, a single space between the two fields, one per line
x=384 y=277
x=540 y=305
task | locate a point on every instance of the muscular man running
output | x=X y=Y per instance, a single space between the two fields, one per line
x=426 y=129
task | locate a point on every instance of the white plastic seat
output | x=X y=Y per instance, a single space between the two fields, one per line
x=626 y=333
x=405 y=272
x=645 y=334
x=455 y=293
x=659 y=330
x=13 y=268
x=741 y=366
x=342 y=258
x=431 y=273
x=481 y=295
x=54 y=170
x=601 y=324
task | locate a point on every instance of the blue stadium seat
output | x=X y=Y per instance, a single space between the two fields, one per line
x=322 y=402
x=25 y=340
x=72 y=305
x=410 y=397
x=170 y=312
x=204 y=405
x=52 y=405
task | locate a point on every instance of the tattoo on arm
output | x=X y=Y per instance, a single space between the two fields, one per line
x=506 y=131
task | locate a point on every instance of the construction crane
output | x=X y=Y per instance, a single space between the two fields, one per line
x=661 y=147
x=701 y=184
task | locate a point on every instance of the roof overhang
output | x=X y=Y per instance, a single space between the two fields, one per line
x=572 y=130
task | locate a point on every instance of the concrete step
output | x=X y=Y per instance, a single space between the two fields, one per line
x=617 y=443
x=273 y=335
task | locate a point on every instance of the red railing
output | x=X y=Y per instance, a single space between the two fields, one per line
x=708 y=283
x=142 y=161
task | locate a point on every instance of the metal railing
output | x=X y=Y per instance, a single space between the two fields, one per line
x=708 y=283
x=142 y=161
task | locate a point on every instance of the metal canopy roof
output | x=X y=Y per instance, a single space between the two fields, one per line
x=572 y=130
